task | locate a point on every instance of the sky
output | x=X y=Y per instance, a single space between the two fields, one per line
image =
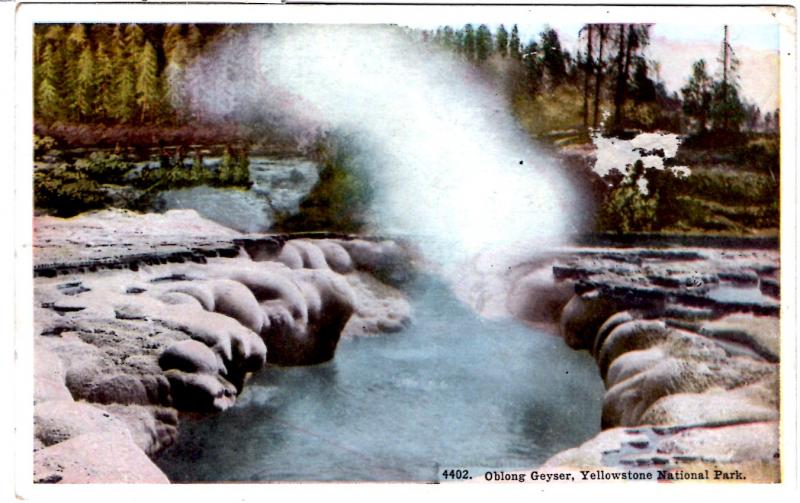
x=676 y=46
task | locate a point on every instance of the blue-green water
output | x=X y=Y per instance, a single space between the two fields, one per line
x=452 y=391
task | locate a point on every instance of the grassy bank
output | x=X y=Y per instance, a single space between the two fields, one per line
x=66 y=185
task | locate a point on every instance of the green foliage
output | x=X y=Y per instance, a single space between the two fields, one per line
x=234 y=169
x=134 y=37
x=514 y=44
x=727 y=109
x=341 y=200
x=553 y=56
x=483 y=43
x=468 y=45
x=104 y=76
x=172 y=37
x=177 y=59
x=534 y=70
x=66 y=191
x=732 y=187
x=698 y=213
x=85 y=87
x=626 y=209
x=760 y=154
x=708 y=200
x=643 y=89
x=48 y=101
x=112 y=74
x=42 y=145
x=501 y=41
x=148 y=89
x=124 y=108
x=559 y=110
x=105 y=168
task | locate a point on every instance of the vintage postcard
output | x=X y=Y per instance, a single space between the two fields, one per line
x=530 y=246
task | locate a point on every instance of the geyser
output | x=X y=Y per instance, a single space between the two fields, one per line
x=450 y=164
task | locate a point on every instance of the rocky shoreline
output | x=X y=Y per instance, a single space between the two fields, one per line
x=140 y=317
x=687 y=342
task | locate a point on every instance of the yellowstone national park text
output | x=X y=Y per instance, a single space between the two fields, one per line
x=605 y=475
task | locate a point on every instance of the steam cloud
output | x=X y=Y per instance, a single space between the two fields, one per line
x=451 y=165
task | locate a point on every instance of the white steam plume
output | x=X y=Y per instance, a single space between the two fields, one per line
x=451 y=166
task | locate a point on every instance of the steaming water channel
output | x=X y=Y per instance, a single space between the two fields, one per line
x=451 y=391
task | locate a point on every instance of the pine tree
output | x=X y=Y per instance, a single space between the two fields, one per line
x=48 y=102
x=602 y=34
x=534 y=69
x=125 y=94
x=147 y=84
x=631 y=39
x=588 y=70
x=458 y=42
x=174 y=75
x=501 y=41
x=483 y=43
x=124 y=56
x=727 y=110
x=644 y=89
x=104 y=75
x=38 y=51
x=514 y=44
x=553 y=56
x=697 y=95
x=85 y=85
x=469 y=42
x=55 y=34
x=172 y=35
x=76 y=41
x=448 y=38
x=55 y=37
x=134 y=36
x=194 y=41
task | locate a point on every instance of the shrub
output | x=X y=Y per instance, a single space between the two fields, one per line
x=761 y=154
x=341 y=199
x=66 y=191
x=558 y=110
x=626 y=209
x=42 y=145
x=105 y=168
x=732 y=187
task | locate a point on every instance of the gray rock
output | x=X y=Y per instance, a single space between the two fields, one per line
x=234 y=299
x=97 y=458
x=191 y=356
x=630 y=336
x=583 y=316
x=200 y=392
x=56 y=421
x=336 y=256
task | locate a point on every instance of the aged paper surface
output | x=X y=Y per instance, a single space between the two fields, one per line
x=490 y=248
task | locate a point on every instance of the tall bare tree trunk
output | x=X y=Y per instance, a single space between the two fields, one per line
x=626 y=70
x=589 y=70
x=725 y=63
x=621 y=78
x=598 y=79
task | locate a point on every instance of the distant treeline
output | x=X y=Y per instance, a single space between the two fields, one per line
x=134 y=74
x=608 y=83
x=114 y=73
